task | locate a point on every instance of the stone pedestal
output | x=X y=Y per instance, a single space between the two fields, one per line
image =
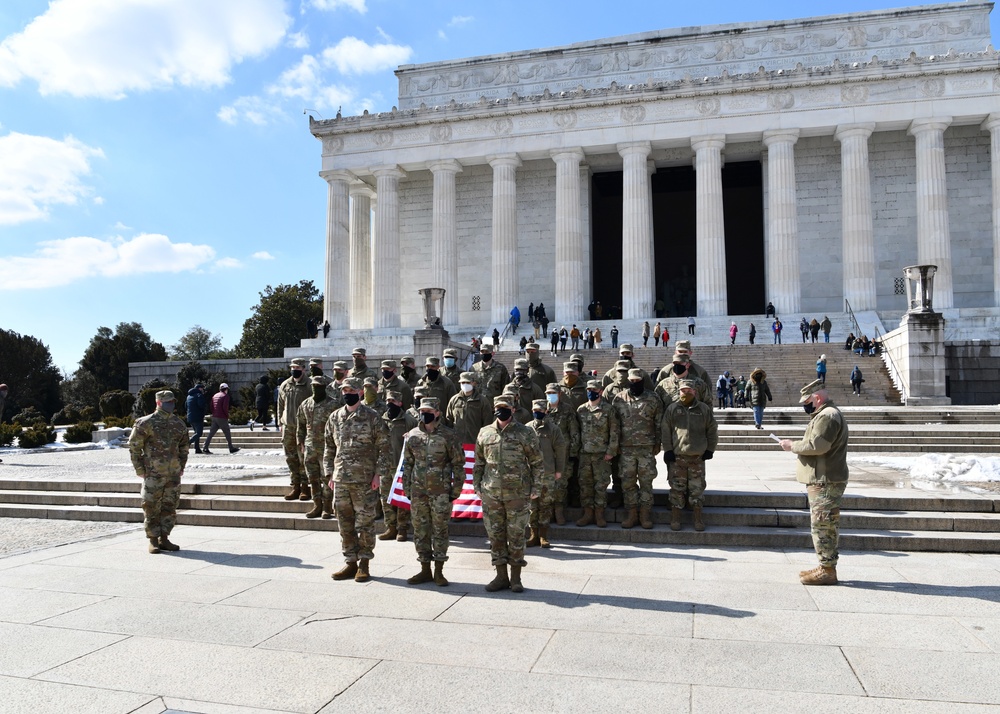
x=429 y=342
x=923 y=354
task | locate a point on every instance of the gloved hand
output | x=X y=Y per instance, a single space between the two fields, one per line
x=707 y=456
x=669 y=457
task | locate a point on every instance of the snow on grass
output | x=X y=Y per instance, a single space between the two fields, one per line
x=940 y=468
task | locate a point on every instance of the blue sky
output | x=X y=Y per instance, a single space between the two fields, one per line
x=155 y=163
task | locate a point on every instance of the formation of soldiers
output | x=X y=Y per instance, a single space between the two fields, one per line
x=540 y=445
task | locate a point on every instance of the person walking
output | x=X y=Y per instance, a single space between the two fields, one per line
x=821 y=368
x=645 y=333
x=857 y=378
x=575 y=337
x=758 y=394
x=804 y=329
x=614 y=337
x=665 y=337
x=262 y=400
x=822 y=467
x=826 y=326
x=554 y=343
x=691 y=325
x=752 y=335
x=733 y=329
x=196 y=407
x=158 y=447
x=220 y=419
x=595 y=338
x=563 y=336
x=814 y=330
x=656 y=335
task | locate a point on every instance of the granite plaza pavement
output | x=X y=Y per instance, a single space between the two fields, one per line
x=248 y=620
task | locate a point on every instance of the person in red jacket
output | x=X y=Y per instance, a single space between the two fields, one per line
x=220 y=418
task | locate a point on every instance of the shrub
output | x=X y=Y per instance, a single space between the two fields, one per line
x=8 y=432
x=90 y=414
x=124 y=422
x=116 y=403
x=79 y=433
x=67 y=415
x=38 y=435
x=241 y=416
x=28 y=417
x=145 y=401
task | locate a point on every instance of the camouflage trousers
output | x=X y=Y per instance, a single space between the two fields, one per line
x=541 y=507
x=687 y=481
x=394 y=515
x=824 y=511
x=430 y=516
x=505 y=522
x=293 y=457
x=354 y=504
x=160 y=496
x=638 y=469
x=314 y=472
x=569 y=483
x=595 y=475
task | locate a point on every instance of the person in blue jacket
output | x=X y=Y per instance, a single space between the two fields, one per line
x=195 y=405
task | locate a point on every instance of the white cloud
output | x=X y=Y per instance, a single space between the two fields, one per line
x=254 y=110
x=61 y=262
x=442 y=35
x=383 y=34
x=262 y=255
x=354 y=56
x=459 y=20
x=297 y=40
x=358 y=5
x=107 y=48
x=119 y=226
x=98 y=200
x=228 y=263
x=38 y=172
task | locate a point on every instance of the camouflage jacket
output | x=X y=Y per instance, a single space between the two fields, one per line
x=564 y=416
x=290 y=396
x=412 y=379
x=492 y=378
x=822 y=451
x=398 y=429
x=363 y=374
x=540 y=373
x=508 y=461
x=639 y=419
x=612 y=374
x=552 y=444
x=575 y=395
x=433 y=462
x=442 y=388
x=599 y=429
x=668 y=390
x=396 y=385
x=357 y=446
x=689 y=430
x=454 y=374
x=527 y=392
x=378 y=406
x=159 y=445
x=311 y=424
x=468 y=414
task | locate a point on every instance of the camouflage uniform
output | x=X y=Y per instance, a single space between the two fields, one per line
x=357 y=448
x=395 y=517
x=694 y=369
x=492 y=376
x=639 y=420
x=564 y=416
x=442 y=387
x=553 y=446
x=508 y=465
x=453 y=373
x=159 y=450
x=575 y=395
x=538 y=372
x=522 y=386
x=521 y=415
x=467 y=414
x=433 y=475
x=408 y=372
x=311 y=426
x=668 y=389
x=688 y=431
x=611 y=375
x=361 y=370
x=371 y=397
x=599 y=437
x=394 y=385
x=290 y=395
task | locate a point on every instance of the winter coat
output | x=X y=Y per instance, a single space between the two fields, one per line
x=822 y=451
x=758 y=394
x=195 y=405
x=220 y=405
x=733 y=329
x=263 y=393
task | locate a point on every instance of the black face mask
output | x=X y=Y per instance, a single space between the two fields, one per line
x=319 y=392
x=487 y=357
x=432 y=375
x=428 y=417
x=388 y=374
x=339 y=375
x=296 y=374
x=635 y=388
x=502 y=413
x=679 y=369
x=538 y=415
x=809 y=407
x=532 y=357
x=408 y=370
x=393 y=410
x=351 y=399
x=592 y=395
x=315 y=370
x=359 y=363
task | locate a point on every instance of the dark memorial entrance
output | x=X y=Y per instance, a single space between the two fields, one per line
x=674 y=231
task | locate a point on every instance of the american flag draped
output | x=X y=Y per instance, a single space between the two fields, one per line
x=468 y=505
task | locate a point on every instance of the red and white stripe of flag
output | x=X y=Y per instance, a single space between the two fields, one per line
x=468 y=505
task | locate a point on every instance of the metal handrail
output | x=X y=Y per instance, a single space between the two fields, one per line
x=854 y=320
x=890 y=363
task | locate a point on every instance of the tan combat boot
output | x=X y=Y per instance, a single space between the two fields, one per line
x=803 y=573
x=560 y=515
x=154 y=545
x=328 y=508
x=439 y=578
x=424 y=576
x=362 y=575
x=587 y=518
x=599 y=519
x=389 y=533
x=165 y=544
x=543 y=536
x=646 y=517
x=533 y=540
x=347 y=572
x=500 y=582
x=632 y=519
x=820 y=576
x=294 y=493
x=317 y=509
x=515 y=579
x=675 y=518
x=699 y=524
x=401 y=534
x=306 y=494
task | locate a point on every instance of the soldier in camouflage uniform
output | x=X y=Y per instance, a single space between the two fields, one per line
x=492 y=375
x=668 y=389
x=418 y=394
x=599 y=436
x=159 y=450
x=451 y=369
x=639 y=413
x=436 y=384
x=822 y=466
x=521 y=415
x=468 y=411
x=340 y=369
x=291 y=393
x=357 y=453
x=561 y=413
x=572 y=389
x=408 y=371
x=391 y=382
x=433 y=475
x=508 y=465
x=371 y=396
x=361 y=370
x=311 y=420
x=316 y=370
x=689 y=435
x=625 y=354
x=398 y=422
x=695 y=370
x=522 y=385
x=620 y=383
x=539 y=372
x=552 y=444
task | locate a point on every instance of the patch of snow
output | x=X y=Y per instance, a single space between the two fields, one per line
x=941 y=468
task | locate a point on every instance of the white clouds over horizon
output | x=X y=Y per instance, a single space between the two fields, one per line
x=107 y=48
x=38 y=172
x=357 y=5
x=354 y=56
x=61 y=262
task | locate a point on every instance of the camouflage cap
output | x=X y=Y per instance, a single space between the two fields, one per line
x=393 y=396
x=570 y=367
x=315 y=361
x=165 y=396
x=389 y=364
x=576 y=357
x=407 y=360
x=817 y=385
x=684 y=345
x=360 y=351
x=595 y=384
x=485 y=349
x=432 y=362
x=635 y=374
x=627 y=347
x=352 y=383
x=552 y=387
x=504 y=400
x=297 y=362
x=420 y=392
x=430 y=403
x=622 y=365
x=512 y=390
x=539 y=405
x=531 y=346
x=687 y=384
x=681 y=358
x=371 y=382
x=341 y=365
x=469 y=377
x=318 y=379
x=520 y=364
x=450 y=353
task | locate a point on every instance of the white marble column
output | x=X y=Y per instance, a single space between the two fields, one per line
x=570 y=298
x=360 y=311
x=337 y=289
x=933 y=233
x=505 y=285
x=856 y=215
x=444 y=237
x=783 y=287
x=638 y=267
x=710 y=225
x=385 y=248
x=992 y=125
